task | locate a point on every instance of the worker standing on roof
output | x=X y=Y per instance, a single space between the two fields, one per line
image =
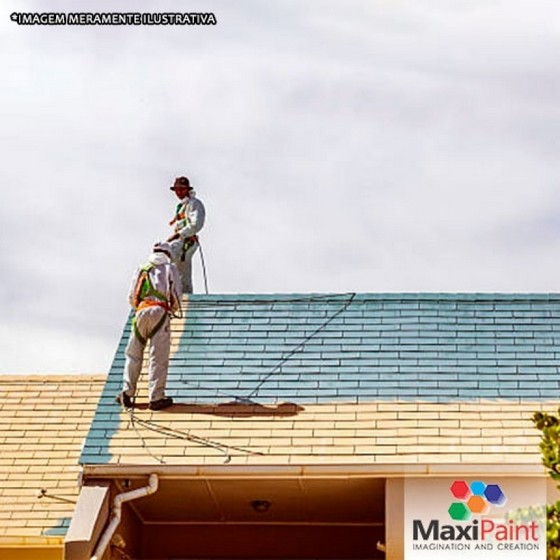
x=155 y=295
x=188 y=221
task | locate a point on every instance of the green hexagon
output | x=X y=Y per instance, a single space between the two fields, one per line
x=459 y=511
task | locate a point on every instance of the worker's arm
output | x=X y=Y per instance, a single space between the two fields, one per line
x=132 y=289
x=194 y=219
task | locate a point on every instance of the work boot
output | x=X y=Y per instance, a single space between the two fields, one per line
x=160 y=404
x=124 y=400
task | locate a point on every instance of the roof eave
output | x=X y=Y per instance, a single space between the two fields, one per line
x=387 y=470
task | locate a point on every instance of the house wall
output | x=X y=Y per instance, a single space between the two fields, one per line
x=394 y=518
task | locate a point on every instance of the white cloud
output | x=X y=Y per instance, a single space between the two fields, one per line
x=29 y=349
x=370 y=146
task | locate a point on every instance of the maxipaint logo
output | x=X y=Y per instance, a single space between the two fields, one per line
x=474 y=499
x=477 y=498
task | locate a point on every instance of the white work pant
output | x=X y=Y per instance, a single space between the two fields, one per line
x=184 y=263
x=146 y=320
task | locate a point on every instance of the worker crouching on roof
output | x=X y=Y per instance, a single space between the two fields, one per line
x=155 y=295
x=188 y=221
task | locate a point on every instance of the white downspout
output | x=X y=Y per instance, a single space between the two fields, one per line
x=119 y=500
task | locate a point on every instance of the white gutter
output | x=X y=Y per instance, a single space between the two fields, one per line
x=119 y=500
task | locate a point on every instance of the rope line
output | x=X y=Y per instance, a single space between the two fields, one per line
x=145 y=446
x=311 y=298
x=301 y=345
x=179 y=434
x=203 y=267
x=297 y=348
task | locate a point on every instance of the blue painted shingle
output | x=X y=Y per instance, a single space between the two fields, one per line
x=380 y=345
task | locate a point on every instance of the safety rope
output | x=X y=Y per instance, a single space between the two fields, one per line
x=203 y=267
x=301 y=346
x=173 y=433
x=262 y=302
x=282 y=361
x=140 y=437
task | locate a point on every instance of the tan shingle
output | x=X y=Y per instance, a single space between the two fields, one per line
x=43 y=423
x=434 y=432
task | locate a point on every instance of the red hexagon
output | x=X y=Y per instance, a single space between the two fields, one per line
x=460 y=489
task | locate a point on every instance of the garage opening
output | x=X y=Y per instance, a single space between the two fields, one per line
x=269 y=518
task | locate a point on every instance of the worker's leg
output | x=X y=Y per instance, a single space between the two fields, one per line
x=159 y=361
x=183 y=260
x=133 y=365
x=146 y=321
x=176 y=250
x=185 y=269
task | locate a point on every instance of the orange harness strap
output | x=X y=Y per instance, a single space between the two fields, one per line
x=144 y=304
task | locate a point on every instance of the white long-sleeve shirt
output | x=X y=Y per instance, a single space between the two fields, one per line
x=190 y=216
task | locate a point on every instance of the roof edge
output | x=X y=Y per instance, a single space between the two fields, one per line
x=386 y=470
x=30 y=542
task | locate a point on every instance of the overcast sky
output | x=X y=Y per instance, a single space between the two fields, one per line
x=370 y=146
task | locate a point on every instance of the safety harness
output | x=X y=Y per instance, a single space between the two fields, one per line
x=144 y=290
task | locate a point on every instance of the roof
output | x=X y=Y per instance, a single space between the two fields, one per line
x=43 y=424
x=344 y=378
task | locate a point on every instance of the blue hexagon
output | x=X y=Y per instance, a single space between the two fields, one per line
x=495 y=495
x=478 y=487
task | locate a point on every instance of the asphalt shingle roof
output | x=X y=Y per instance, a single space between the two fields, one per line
x=348 y=357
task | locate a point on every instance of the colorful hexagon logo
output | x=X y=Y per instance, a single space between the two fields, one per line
x=459 y=511
x=474 y=498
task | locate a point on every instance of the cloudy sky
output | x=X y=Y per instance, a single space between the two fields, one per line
x=349 y=145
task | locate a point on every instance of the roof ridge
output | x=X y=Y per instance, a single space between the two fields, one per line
x=364 y=296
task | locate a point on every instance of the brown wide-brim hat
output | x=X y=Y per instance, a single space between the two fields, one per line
x=181 y=182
